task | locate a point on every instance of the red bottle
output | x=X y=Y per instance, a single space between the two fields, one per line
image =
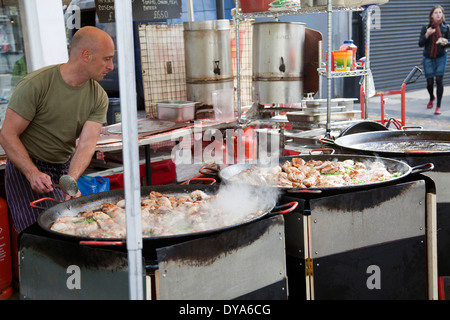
x=348 y=45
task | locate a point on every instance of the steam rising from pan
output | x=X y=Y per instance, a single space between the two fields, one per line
x=236 y=201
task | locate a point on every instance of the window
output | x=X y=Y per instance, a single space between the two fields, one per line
x=12 y=59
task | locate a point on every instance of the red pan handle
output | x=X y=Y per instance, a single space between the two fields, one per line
x=289 y=208
x=323 y=150
x=210 y=180
x=35 y=202
x=208 y=170
x=325 y=140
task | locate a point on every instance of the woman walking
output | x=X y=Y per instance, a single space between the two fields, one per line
x=434 y=39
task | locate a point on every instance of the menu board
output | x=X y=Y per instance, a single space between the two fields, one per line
x=143 y=10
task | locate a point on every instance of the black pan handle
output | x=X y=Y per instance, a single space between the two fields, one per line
x=310 y=191
x=422 y=168
x=418 y=152
x=35 y=202
x=289 y=208
x=101 y=243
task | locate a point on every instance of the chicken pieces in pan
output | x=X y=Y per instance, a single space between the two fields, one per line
x=161 y=215
x=299 y=173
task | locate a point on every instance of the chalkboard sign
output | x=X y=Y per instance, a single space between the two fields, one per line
x=105 y=10
x=143 y=10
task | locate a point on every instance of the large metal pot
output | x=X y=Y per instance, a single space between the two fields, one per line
x=208 y=59
x=93 y=202
x=394 y=165
x=278 y=62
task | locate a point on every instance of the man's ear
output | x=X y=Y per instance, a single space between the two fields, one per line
x=86 y=55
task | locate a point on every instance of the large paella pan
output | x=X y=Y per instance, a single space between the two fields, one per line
x=330 y=173
x=203 y=209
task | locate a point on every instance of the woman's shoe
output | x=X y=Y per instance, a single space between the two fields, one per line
x=430 y=104
x=437 y=111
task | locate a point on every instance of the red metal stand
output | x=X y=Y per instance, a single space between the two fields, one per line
x=383 y=120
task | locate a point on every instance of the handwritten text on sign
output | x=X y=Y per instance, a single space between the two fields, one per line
x=143 y=10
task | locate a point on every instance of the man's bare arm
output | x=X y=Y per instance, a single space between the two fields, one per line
x=85 y=149
x=13 y=126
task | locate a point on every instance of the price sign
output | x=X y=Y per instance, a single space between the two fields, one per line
x=156 y=9
x=143 y=10
x=105 y=10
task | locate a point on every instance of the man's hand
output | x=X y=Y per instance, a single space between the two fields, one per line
x=67 y=197
x=40 y=182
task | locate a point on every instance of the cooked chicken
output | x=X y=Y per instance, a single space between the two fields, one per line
x=316 y=174
x=161 y=215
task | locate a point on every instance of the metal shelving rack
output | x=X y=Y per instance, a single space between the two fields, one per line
x=328 y=74
x=332 y=74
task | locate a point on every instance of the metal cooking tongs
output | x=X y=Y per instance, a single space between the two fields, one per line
x=66 y=183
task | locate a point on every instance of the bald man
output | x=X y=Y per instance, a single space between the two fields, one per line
x=49 y=110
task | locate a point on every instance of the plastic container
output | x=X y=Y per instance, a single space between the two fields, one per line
x=341 y=60
x=349 y=45
x=90 y=185
x=255 y=5
x=223 y=104
x=181 y=111
x=113 y=115
x=163 y=172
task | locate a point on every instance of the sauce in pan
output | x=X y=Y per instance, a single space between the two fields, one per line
x=404 y=146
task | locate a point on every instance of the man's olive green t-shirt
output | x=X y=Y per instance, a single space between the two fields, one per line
x=56 y=111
